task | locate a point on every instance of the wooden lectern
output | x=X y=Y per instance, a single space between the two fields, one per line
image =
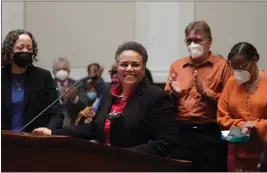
x=26 y=152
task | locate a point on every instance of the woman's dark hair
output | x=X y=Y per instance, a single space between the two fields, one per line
x=9 y=42
x=244 y=49
x=132 y=45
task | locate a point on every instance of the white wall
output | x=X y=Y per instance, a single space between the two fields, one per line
x=233 y=22
x=91 y=31
x=12 y=16
x=160 y=28
x=84 y=32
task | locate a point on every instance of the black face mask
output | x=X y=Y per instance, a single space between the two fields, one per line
x=22 y=59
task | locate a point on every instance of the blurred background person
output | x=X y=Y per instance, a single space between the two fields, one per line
x=94 y=79
x=26 y=90
x=75 y=100
x=196 y=82
x=92 y=95
x=95 y=72
x=88 y=113
x=243 y=104
x=134 y=114
x=113 y=73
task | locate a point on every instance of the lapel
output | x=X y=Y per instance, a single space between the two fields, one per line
x=70 y=82
x=57 y=87
x=29 y=87
x=134 y=99
x=6 y=90
x=104 y=109
x=107 y=103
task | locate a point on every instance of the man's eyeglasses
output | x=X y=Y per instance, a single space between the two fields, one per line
x=112 y=72
x=195 y=40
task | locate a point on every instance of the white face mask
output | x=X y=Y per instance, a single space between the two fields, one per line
x=242 y=76
x=61 y=75
x=196 y=50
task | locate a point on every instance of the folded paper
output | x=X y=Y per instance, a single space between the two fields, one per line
x=234 y=135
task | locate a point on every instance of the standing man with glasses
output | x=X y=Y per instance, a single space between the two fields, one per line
x=196 y=82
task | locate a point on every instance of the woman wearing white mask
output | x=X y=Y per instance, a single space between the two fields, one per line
x=26 y=90
x=243 y=103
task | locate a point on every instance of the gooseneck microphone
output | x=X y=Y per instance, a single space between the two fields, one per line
x=41 y=113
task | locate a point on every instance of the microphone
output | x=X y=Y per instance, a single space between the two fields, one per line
x=48 y=106
x=86 y=80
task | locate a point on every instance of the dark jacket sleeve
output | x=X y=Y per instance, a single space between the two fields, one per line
x=162 y=123
x=82 y=131
x=54 y=112
x=263 y=164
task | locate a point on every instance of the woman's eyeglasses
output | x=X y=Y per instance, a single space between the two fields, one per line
x=240 y=67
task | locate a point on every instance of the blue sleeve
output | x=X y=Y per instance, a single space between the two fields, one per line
x=95 y=108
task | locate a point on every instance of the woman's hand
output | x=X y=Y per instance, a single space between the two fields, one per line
x=247 y=126
x=42 y=131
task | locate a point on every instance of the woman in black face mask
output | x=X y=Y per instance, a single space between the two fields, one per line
x=26 y=90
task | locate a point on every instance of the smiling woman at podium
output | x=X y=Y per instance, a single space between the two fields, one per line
x=26 y=89
x=133 y=114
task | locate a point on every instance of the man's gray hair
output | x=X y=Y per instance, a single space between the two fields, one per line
x=61 y=60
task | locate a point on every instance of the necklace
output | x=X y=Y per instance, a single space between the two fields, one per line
x=19 y=84
x=251 y=85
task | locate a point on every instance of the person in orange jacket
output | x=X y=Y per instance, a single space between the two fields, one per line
x=243 y=104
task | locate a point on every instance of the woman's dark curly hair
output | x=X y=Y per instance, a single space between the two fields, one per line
x=9 y=42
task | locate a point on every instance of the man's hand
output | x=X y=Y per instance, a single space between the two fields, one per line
x=42 y=131
x=175 y=85
x=71 y=94
x=198 y=84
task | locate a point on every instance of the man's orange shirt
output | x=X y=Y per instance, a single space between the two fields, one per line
x=213 y=74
